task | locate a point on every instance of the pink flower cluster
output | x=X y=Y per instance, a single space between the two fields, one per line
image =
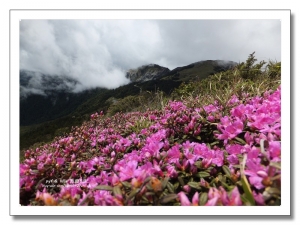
x=177 y=156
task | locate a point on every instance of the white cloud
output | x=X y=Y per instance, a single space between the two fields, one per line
x=97 y=53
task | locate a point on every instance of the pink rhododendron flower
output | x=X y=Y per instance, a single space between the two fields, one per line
x=234 y=198
x=229 y=130
x=127 y=172
x=184 y=201
x=174 y=154
x=221 y=197
x=233 y=100
x=105 y=151
x=256 y=181
x=218 y=159
x=275 y=149
x=233 y=159
x=103 y=198
x=258 y=197
x=60 y=161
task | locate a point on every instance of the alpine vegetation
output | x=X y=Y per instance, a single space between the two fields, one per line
x=214 y=142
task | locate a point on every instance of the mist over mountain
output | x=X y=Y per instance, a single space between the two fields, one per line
x=44 y=84
x=51 y=105
x=34 y=83
x=44 y=97
x=98 y=53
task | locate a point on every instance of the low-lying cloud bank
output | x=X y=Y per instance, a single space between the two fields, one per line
x=97 y=53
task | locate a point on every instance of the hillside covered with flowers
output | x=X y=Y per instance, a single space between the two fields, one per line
x=213 y=142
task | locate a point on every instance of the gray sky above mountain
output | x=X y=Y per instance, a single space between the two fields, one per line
x=98 y=53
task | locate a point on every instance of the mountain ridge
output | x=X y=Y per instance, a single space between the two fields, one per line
x=146 y=72
x=61 y=109
x=44 y=98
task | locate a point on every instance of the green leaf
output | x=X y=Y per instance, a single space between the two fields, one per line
x=224 y=179
x=181 y=181
x=117 y=191
x=149 y=193
x=245 y=184
x=203 y=174
x=195 y=185
x=164 y=182
x=277 y=165
x=214 y=143
x=273 y=191
x=240 y=140
x=103 y=187
x=226 y=170
x=213 y=181
x=126 y=184
x=198 y=164
x=203 y=198
x=236 y=166
x=132 y=194
x=85 y=199
x=176 y=185
x=65 y=203
x=145 y=199
x=230 y=188
x=247 y=190
x=239 y=183
x=170 y=187
x=225 y=185
x=148 y=186
x=35 y=171
x=37 y=185
x=198 y=138
x=168 y=198
x=245 y=200
x=146 y=180
x=220 y=177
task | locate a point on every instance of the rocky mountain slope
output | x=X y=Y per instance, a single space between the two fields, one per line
x=197 y=70
x=147 y=72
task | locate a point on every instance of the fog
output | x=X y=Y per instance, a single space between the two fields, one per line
x=97 y=53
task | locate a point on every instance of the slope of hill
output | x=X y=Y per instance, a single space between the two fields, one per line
x=49 y=110
x=198 y=70
x=217 y=145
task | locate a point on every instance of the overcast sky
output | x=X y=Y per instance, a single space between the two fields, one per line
x=97 y=53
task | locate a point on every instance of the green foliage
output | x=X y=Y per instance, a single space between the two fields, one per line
x=140 y=124
x=45 y=132
x=61 y=131
x=250 y=70
x=245 y=77
x=145 y=100
x=124 y=105
x=36 y=109
x=274 y=69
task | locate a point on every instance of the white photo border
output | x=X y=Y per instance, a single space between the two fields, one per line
x=17 y=15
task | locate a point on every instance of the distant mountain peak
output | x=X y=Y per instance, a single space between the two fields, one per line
x=156 y=72
x=146 y=73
